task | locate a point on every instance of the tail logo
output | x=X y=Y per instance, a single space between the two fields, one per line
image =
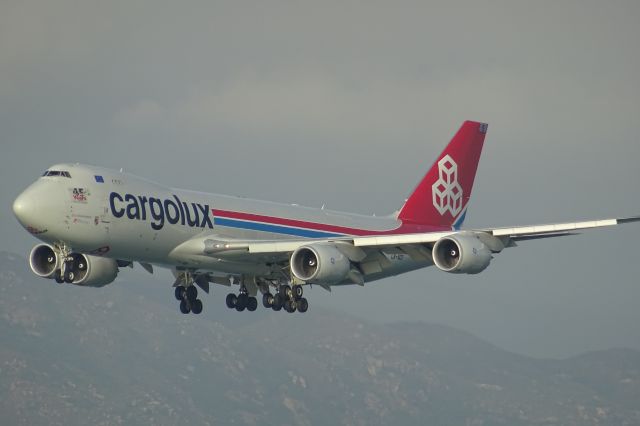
x=446 y=191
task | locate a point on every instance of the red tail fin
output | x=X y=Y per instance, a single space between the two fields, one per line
x=441 y=198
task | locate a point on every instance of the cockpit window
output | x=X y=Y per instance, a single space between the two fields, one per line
x=57 y=173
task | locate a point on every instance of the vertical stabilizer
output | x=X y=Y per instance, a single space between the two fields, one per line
x=441 y=197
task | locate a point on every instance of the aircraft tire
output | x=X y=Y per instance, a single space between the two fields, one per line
x=289 y=306
x=178 y=292
x=58 y=276
x=252 y=304
x=286 y=291
x=278 y=298
x=231 y=300
x=302 y=305
x=184 y=307
x=241 y=303
x=297 y=291
x=277 y=303
x=192 y=293
x=69 y=276
x=267 y=300
x=196 y=307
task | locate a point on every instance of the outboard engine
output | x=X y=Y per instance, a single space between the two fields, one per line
x=79 y=269
x=44 y=260
x=461 y=254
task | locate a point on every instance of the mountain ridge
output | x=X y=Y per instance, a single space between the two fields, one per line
x=119 y=356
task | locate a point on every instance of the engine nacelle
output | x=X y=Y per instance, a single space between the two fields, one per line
x=461 y=254
x=44 y=260
x=319 y=263
x=89 y=271
x=93 y=271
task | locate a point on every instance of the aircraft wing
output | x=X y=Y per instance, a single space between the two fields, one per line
x=274 y=250
x=557 y=229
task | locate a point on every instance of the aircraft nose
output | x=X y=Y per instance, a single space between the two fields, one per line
x=24 y=208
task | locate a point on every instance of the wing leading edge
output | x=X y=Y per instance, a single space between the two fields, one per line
x=513 y=233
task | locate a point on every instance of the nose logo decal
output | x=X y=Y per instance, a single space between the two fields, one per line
x=446 y=191
x=79 y=195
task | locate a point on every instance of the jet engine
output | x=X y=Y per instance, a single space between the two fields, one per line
x=88 y=271
x=461 y=254
x=93 y=271
x=321 y=263
x=44 y=261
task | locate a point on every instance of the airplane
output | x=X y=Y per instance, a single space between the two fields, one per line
x=92 y=221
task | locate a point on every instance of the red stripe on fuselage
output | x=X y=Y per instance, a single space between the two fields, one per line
x=402 y=229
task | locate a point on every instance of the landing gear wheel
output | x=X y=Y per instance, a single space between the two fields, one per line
x=192 y=293
x=277 y=303
x=286 y=291
x=179 y=291
x=184 y=307
x=252 y=304
x=231 y=300
x=267 y=300
x=290 y=306
x=242 y=301
x=196 y=308
x=302 y=305
x=297 y=291
x=57 y=275
x=69 y=276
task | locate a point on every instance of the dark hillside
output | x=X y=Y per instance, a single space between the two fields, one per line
x=118 y=355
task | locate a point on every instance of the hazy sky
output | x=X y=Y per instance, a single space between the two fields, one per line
x=346 y=103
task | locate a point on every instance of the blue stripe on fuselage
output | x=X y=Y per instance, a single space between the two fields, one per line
x=458 y=223
x=277 y=229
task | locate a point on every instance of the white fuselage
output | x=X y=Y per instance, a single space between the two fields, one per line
x=109 y=213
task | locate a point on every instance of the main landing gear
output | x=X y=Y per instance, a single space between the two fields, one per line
x=186 y=291
x=242 y=301
x=287 y=298
x=188 y=297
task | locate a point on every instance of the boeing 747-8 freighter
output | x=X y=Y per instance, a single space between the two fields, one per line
x=94 y=220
